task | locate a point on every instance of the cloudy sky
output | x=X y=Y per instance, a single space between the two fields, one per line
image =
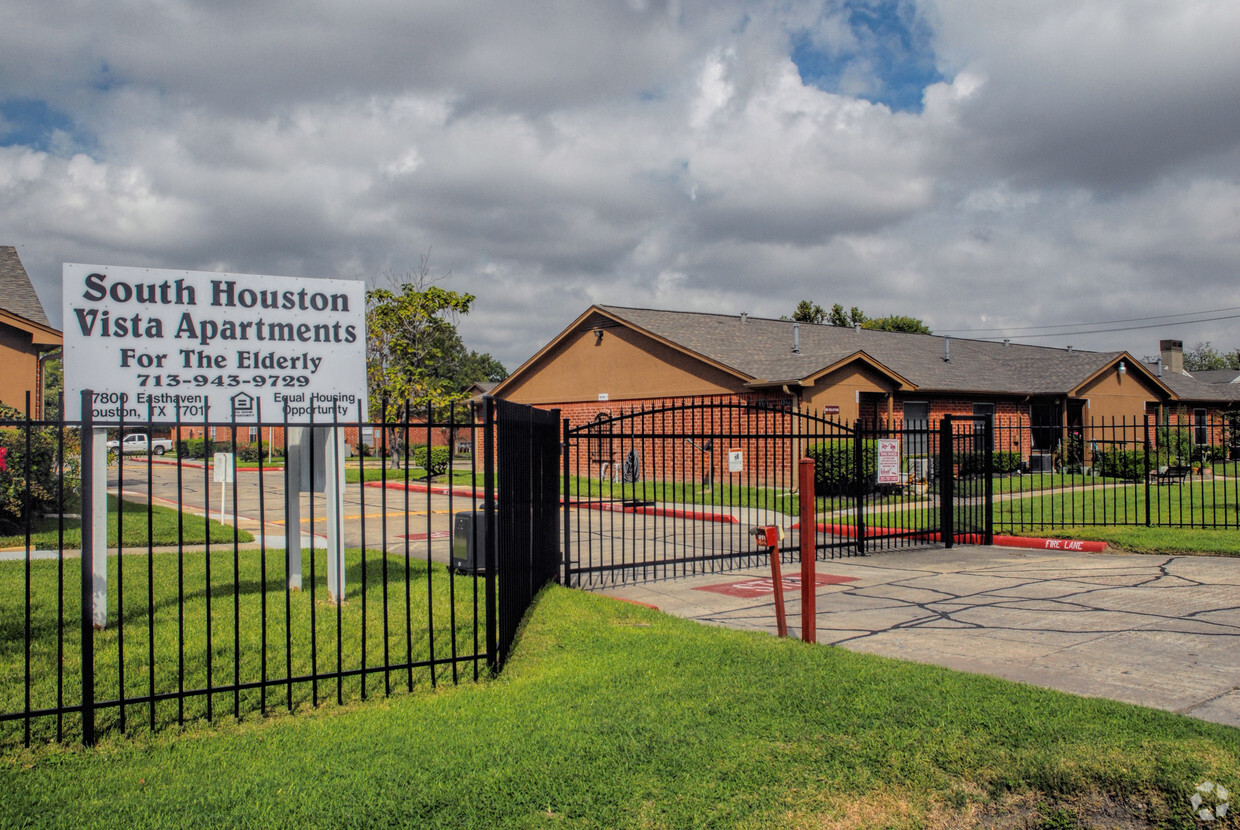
x=987 y=167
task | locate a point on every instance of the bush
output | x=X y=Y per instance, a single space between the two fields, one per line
x=22 y=498
x=834 y=466
x=974 y=463
x=199 y=447
x=256 y=451
x=434 y=460
x=1125 y=464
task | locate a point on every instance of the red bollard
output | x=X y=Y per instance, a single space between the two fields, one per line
x=809 y=553
x=768 y=536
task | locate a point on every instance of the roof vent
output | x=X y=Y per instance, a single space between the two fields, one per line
x=744 y=316
x=857 y=328
x=1007 y=341
x=796 y=338
x=1069 y=350
x=947 y=350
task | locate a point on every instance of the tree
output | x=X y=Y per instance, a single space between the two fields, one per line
x=415 y=357
x=838 y=317
x=1204 y=356
x=897 y=322
x=808 y=312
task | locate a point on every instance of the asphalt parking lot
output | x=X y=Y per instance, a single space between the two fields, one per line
x=412 y=519
x=1159 y=631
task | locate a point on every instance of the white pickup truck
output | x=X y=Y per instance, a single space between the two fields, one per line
x=137 y=442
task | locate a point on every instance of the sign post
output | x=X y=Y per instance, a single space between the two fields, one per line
x=225 y=470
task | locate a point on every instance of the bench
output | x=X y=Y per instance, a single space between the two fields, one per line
x=1165 y=475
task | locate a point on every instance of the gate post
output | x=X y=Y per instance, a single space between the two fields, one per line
x=87 y=573
x=567 y=579
x=488 y=507
x=990 y=480
x=859 y=486
x=947 y=482
x=809 y=540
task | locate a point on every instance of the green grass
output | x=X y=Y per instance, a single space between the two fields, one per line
x=235 y=589
x=160 y=530
x=614 y=716
x=1162 y=540
x=1193 y=503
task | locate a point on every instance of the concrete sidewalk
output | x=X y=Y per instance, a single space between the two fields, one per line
x=1160 y=631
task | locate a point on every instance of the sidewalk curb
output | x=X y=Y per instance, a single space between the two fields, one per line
x=1030 y=542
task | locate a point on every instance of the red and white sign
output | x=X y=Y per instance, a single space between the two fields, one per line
x=888 y=461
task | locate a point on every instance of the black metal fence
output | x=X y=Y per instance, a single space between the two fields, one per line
x=674 y=490
x=201 y=618
x=1181 y=471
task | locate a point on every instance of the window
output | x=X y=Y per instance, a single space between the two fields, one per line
x=253 y=434
x=1044 y=426
x=916 y=427
x=1201 y=429
x=984 y=409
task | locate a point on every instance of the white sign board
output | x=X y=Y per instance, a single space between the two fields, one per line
x=736 y=461
x=213 y=344
x=224 y=469
x=888 y=461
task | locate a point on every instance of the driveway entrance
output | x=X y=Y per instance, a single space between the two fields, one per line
x=1160 y=631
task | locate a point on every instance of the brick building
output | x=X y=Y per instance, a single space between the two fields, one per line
x=613 y=359
x=26 y=336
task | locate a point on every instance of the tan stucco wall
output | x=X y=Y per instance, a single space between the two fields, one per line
x=1112 y=395
x=842 y=387
x=19 y=367
x=624 y=365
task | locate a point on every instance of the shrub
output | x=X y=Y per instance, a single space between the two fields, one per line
x=1125 y=464
x=22 y=497
x=256 y=451
x=434 y=460
x=974 y=463
x=835 y=467
x=198 y=447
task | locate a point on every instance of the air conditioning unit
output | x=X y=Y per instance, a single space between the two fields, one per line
x=469 y=541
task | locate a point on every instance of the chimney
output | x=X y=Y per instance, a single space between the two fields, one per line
x=1172 y=353
x=796 y=338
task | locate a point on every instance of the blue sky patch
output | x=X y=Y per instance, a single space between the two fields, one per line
x=891 y=62
x=28 y=122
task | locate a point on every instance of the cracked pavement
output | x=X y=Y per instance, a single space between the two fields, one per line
x=1160 y=631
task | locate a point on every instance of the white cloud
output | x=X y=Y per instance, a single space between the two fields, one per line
x=1079 y=160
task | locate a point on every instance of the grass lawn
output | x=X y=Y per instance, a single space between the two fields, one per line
x=162 y=529
x=1196 y=502
x=1152 y=539
x=233 y=591
x=615 y=716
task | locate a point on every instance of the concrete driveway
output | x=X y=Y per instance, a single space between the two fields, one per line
x=1160 y=631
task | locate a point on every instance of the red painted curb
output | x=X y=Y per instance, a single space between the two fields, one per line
x=438 y=490
x=669 y=512
x=1032 y=542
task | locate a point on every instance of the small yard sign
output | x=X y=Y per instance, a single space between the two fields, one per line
x=888 y=461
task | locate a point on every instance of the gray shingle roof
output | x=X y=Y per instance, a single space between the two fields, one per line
x=1194 y=388
x=17 y=294
x=762 y=350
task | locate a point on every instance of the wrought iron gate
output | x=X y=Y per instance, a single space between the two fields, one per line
x=674 y=490
x=966 y=495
